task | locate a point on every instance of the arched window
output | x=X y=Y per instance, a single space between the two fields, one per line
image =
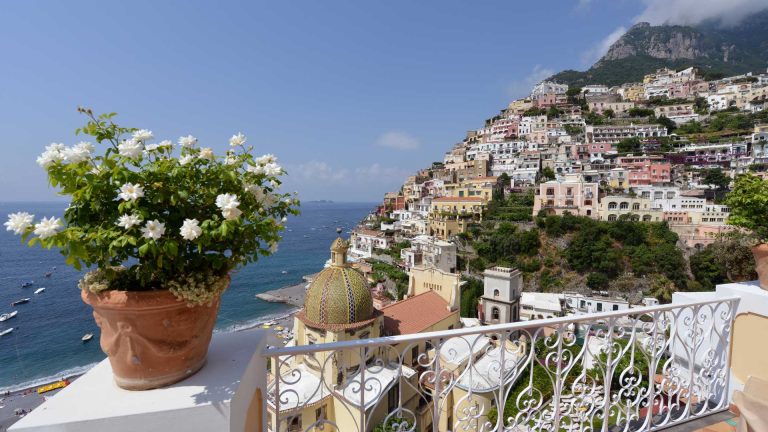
x=624 y=206
x=646 y=218
x=611 y=205
x=636 y=206
x=495 y=313
x=495 y=293
x=612 y=217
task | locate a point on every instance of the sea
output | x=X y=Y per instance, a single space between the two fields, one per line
x=46 y=342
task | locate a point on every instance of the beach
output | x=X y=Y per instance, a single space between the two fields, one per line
x=25 y=400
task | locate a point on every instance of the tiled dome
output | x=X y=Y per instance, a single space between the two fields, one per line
x=339 y=294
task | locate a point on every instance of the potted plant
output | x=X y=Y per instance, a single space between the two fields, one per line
x=160 y=226
x=749 y=209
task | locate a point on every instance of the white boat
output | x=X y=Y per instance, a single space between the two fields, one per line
x=7 y=316
x=86 y=337
x=39 y=290
x=5 y=332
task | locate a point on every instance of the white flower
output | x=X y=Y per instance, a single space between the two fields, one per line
x=230 y=160
x=143 y=135
x=273 y=169
x=166 y=144
x=273 y=247
x=255 y=169
x=52 y=154
x=47 y=227
x=130 y=192
x=187 y=141
x=225 y=201
x=153 y=229
x=128 y=221
x=252 y=188
x=186 y=159
x=78 y=153
x=151 y=147
x=228 y=204
x=237 y=140
x=130 y=148
x=266 y=159
x=98 y=169
x=206 y=153
x=190 y=229
x=19 y=222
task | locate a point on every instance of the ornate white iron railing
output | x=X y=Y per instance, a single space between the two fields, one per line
x=640 y=369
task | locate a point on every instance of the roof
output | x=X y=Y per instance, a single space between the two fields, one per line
x=458 y=199
x=415 y=314
x=338 y=295
x=369 y=232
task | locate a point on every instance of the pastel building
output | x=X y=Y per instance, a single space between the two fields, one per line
x=569 y=194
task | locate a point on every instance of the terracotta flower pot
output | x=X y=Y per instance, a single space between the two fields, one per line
x=152 y=339
x=761 y=264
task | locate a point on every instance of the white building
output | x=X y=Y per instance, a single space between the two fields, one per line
x=537 y=305
x=428 y=251
x=546 y=87
x=364 y=241
x=500 y=303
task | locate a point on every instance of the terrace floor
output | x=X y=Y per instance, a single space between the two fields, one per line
x=720 y=422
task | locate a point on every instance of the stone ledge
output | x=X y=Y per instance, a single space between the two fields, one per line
x=202 y=402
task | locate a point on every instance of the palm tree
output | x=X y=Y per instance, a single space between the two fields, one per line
x=662 y=288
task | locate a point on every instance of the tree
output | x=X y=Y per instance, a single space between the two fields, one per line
x=505 y=180
x=553 y=112
x=748 y=201
x=394 y=424
x=640 y=112
x=630 y=145
x=573 y=92
x=667 y=123
x=661 y=288
x=547 y=173
x=597 y=281
x=609 y=113
x=716 y=178
x=735 y=257
x=706 y=268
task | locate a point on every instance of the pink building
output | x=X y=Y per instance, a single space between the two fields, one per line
x=572 y=195
x=646 y=170
x=551 y=99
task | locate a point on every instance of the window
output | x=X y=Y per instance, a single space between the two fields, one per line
x=495 y=313
x=624 y=205
x=392 y=397
x=415 y=356
x=599 y=307
x=294 y=424
x=611 y=205
x=495 y=293
x=636 y=206
x=321 y=413
x=612 y=217
x=550 y=191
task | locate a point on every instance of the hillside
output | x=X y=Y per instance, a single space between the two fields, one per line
x=644 y=49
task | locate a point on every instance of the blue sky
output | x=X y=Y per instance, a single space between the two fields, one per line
x=352 y=96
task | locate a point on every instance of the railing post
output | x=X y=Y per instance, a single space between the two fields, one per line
x=248 y=407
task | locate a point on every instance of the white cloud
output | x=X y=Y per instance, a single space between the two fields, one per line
x=522 y=87
x=691 y=12
x=379 y=174
x=593 y=54
x=317 y=171
x=398 y=141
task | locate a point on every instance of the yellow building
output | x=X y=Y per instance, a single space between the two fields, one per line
x=482 y=187
x=430 y=278
x=613 y=207
x=450 y=216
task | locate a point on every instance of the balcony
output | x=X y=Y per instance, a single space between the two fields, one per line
x=643 y=369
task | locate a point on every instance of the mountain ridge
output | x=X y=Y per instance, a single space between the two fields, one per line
x=644 y=48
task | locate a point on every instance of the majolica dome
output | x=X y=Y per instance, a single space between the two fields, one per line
x=339 y=294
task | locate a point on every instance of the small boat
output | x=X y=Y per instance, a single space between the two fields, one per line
x=5 y=332
x=20 y=301
x=284 y=272
x=7 y=316
x=279 y=328
x=52 y=386
x=86 y=337
x=27 y=284
x=39 y=290
x=48 y=274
